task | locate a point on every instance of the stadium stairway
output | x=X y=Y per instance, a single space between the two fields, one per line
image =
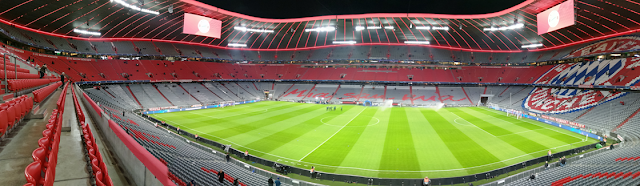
x=16 y=147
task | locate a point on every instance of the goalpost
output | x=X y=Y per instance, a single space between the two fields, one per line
x=515 y=113
x=386 y=104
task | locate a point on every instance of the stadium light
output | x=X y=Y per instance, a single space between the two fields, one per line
x=86 y=32
x=511 y=27
x=445 y=28
x=321 y=29
x=440 y=28
x=125 y=4
x=417 y=42
x=373 y=27
x=532 y=45
x=344 y=42
x=358 y=28
x=245 y=29
x=236 y=45
x=388 y=27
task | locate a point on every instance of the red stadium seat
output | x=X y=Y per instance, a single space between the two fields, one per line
x=39 y=155
x=3 y=122
x=33 y=173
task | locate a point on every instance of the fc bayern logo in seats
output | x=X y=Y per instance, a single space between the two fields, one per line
x=615 y=72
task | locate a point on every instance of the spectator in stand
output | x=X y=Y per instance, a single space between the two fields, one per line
x=227 y=157
x=43 y=69
x=270 y=181
x=546 y=165
x=278 y=182
x=221 y=176
x=236 y=182
x=61 y=79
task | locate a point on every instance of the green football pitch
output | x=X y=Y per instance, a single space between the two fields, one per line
x=398 y=142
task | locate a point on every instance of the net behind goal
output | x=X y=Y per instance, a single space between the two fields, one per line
x=386 y=104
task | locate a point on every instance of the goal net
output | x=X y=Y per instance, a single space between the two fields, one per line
x=515 y=113
x=386 y=104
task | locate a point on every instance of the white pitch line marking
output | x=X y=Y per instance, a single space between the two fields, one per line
x=473 y=125
x=373 y=170
x=365 y=108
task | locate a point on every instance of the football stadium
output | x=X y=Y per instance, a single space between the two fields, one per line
x=314 y=93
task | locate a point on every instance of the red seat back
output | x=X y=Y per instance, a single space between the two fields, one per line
x=3 y=122
x=33 y=172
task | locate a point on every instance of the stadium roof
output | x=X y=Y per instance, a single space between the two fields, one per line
x=283 y=9
x=116 y=20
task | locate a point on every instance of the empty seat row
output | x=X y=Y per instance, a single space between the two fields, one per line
x=21 y=75
x=226 y=176
x=43 y=168
x=42 y=93
x=21 y=84
x=94 y=157
x=11 y=67
x=12 y=112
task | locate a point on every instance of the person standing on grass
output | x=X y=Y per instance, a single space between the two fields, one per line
x=334 y=107
x=313 y=170
x=426 y=181
x=270 y=181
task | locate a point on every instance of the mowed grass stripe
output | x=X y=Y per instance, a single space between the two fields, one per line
x=240 y=129
x=366 y=152
x=288 y=135
x=490 y=128
x=293 y=130
x=429 y=146
x=222 y=115
x=230 y=122
x=567 y=138
x=516 y=140
x=210 y=125
x=334 y=151
x=399 y=151
x=467 y=151
x=533 y=135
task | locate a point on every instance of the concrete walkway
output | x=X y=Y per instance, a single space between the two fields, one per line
x=72 y=166
x=16 y=149
x=116 y=172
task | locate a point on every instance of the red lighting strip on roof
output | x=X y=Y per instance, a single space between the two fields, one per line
x=358 y=16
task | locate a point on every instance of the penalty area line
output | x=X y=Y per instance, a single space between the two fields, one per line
x=365 y=108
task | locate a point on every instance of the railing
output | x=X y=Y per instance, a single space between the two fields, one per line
x=144 y=168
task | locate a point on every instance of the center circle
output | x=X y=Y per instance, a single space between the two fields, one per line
x=344 y=119
x=203 y=26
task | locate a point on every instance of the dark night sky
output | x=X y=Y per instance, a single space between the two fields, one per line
x=307 y=8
